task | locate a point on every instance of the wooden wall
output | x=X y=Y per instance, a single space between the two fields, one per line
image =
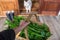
x=46 y=7
x=49 y=7
x=6 y=5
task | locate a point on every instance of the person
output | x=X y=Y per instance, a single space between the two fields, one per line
x=10 y=15
x=11 y=33
x=28 y=5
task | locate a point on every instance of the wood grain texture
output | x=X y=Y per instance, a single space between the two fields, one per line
x=8 y=5
x=54 y=26
x=45 y=7
x=49 y=7
x=53 y=23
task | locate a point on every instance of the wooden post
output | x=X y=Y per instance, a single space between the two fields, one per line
x=17 y=12
x=42 y=4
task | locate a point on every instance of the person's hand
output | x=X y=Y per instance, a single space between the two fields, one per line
x=23 y=24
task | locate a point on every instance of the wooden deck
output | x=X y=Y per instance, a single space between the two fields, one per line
x=53 y=23
x=2 y=23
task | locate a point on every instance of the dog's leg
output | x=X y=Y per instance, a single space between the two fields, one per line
x=59 y=13
x=29 y=9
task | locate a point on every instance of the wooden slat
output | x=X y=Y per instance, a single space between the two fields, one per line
x=7 y=0
x=49 y=13
x=53 y=26
x=53 y=0
x=51 y=6
x=8 y=5
x=50 y=25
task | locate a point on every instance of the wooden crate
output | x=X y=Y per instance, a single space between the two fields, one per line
x=35 y=21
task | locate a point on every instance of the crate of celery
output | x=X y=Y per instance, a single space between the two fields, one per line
x=35 y=31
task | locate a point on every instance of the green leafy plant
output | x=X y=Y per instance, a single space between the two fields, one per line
x=16 y=22
x=35 y=31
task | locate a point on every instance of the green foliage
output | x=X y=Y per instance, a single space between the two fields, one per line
x=16 y=22
x=35 y=31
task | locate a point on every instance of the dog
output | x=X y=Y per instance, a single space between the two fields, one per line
x=28 y=5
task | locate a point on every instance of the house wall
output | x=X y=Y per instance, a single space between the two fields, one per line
x=46 y=7
x=6 y=5
x=49 y=7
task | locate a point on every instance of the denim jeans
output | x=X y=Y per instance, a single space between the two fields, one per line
x=10 y=16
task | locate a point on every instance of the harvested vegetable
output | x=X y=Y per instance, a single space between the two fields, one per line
x=35 y=31
x=16 y=22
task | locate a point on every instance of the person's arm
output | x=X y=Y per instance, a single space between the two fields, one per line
x=11 y=33
x=22 y=25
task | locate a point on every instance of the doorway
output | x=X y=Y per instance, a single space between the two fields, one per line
x=35 y=6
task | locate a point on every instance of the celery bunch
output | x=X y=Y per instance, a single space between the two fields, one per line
x=35 y=31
